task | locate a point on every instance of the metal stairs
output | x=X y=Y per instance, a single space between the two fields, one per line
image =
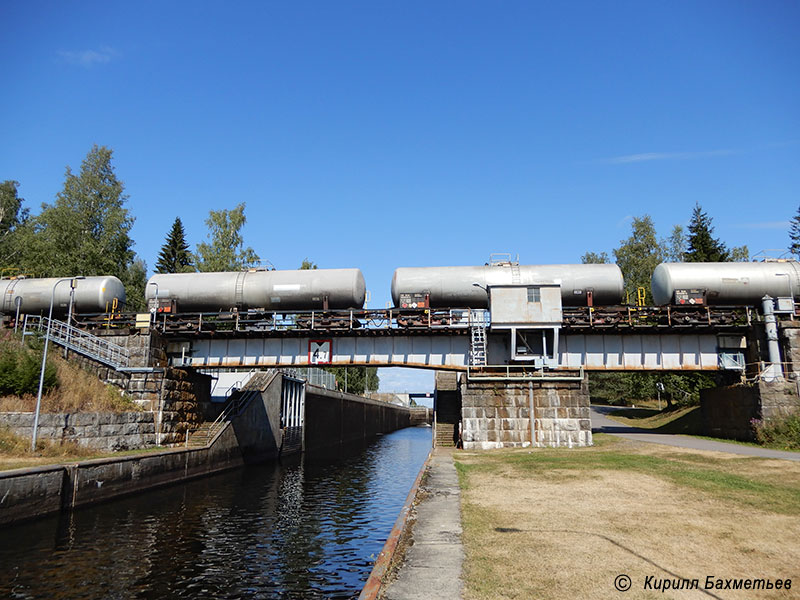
x=79 y=341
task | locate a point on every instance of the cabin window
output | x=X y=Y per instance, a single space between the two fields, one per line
x=534 y=294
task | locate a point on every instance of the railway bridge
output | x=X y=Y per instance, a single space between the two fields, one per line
x=515 y=374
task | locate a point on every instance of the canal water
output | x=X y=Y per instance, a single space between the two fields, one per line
x=310 y=528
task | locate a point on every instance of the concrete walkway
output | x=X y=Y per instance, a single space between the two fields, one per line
x=602 y=424
x=432 y=567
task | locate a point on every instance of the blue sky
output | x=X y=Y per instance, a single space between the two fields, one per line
x=379 y=135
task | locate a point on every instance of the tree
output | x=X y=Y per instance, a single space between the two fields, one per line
x=226 y=252
x=675 y=245
x=86 y=230
x=175 y=256
x=307 y=265
x=794 y=235
x=356 y=380
x=638 y=257
x=592 y=258
x=703 y=247
x=12 y=216
x=740 y=254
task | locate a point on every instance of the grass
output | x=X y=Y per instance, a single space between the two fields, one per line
x=78 y=391
x=554 y=523
x=15 y=452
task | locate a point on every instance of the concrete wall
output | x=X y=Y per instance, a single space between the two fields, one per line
x=103 y=431
x=497 y=414
x=335 y=418
x=257 y=428
x=28 y=493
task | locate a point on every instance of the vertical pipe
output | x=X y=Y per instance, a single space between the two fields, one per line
x=533 y=422
x=775 y=370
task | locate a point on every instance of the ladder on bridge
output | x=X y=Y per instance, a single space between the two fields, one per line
x=79 y=341
x=477 y=346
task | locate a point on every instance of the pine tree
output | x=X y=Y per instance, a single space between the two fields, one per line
x=794 y=235
x=703 y=247
x=175 y=256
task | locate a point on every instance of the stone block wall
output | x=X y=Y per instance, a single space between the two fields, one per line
x=498 y=414
x=183 y=391
x=728 y=411
x=103 y=431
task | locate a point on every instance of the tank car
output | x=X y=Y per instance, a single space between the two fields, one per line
x=732 y=283
x=92 y=295
x=455 y=286
x=260 y=289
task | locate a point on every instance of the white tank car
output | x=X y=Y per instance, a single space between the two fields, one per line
x=270 y=290
x=453 y=286
x=727 y=282
x=92 y=295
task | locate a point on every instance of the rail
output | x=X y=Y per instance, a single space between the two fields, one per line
x=78 y=340
x=519 y=373
x=445 y=320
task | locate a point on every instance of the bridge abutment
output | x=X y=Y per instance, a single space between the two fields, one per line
x=521 y=414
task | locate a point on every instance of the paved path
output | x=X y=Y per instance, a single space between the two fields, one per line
x=432 y=568
x=602 y=424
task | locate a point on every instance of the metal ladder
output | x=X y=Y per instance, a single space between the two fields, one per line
x=477 y=347
x=515 y=278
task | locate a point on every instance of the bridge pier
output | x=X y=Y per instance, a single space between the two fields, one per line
x=519 y=414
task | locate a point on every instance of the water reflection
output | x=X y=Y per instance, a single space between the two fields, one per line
x=309 y=528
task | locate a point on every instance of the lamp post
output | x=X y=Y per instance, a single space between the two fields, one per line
x=44 y=360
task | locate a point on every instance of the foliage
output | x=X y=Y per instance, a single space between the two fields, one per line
x=356 y=380
x=782 y=433
x=86 y=230
x=175 y=256
x=794 y=235
x=20 y=368
x=680 y=389
x=135 y=281
x=739 y=254
x=307 y=265
x=638 y=257
x=593 y=258
x=12 y=216
x=703 y=247
x=226 y=251
x=675 y=245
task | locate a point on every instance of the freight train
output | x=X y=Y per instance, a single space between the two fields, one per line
x=413 y=289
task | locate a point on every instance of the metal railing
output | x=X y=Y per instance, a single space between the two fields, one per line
x=91 y=346
x=314 y=376
x=236 y=405
x=520 y=373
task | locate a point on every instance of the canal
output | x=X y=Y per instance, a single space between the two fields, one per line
x=308 y=528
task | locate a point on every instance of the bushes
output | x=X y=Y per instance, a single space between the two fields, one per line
x=779 y=433
x=20 y=368
x=681 y=389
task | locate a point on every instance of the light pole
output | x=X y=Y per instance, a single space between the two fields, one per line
x=44 y=360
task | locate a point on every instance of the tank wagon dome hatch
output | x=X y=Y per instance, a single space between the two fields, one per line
x=467 y=286
x=724 y=282
x=261 y=289
x=92 y=294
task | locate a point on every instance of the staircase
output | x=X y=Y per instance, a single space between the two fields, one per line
x=448 y=416
x=79 y=341
x=237 y=402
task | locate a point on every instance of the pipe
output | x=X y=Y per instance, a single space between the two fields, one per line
x=774 y=370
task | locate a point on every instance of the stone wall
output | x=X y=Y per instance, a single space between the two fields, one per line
x=182 y=394
x=497 y=414
x=728 y=412
x=103 y=431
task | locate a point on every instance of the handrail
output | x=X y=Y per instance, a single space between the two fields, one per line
x=235 y=407
x=77 y=340
x=495 y=373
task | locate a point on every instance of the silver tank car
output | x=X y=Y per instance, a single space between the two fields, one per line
x=453 y=286
x=92 y=295
x=727 y=282
x=270 y=290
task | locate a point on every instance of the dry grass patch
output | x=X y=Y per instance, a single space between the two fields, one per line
x=77 y=391
x=565 y=523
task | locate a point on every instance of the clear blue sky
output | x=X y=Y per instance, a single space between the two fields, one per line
x=379 y=135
